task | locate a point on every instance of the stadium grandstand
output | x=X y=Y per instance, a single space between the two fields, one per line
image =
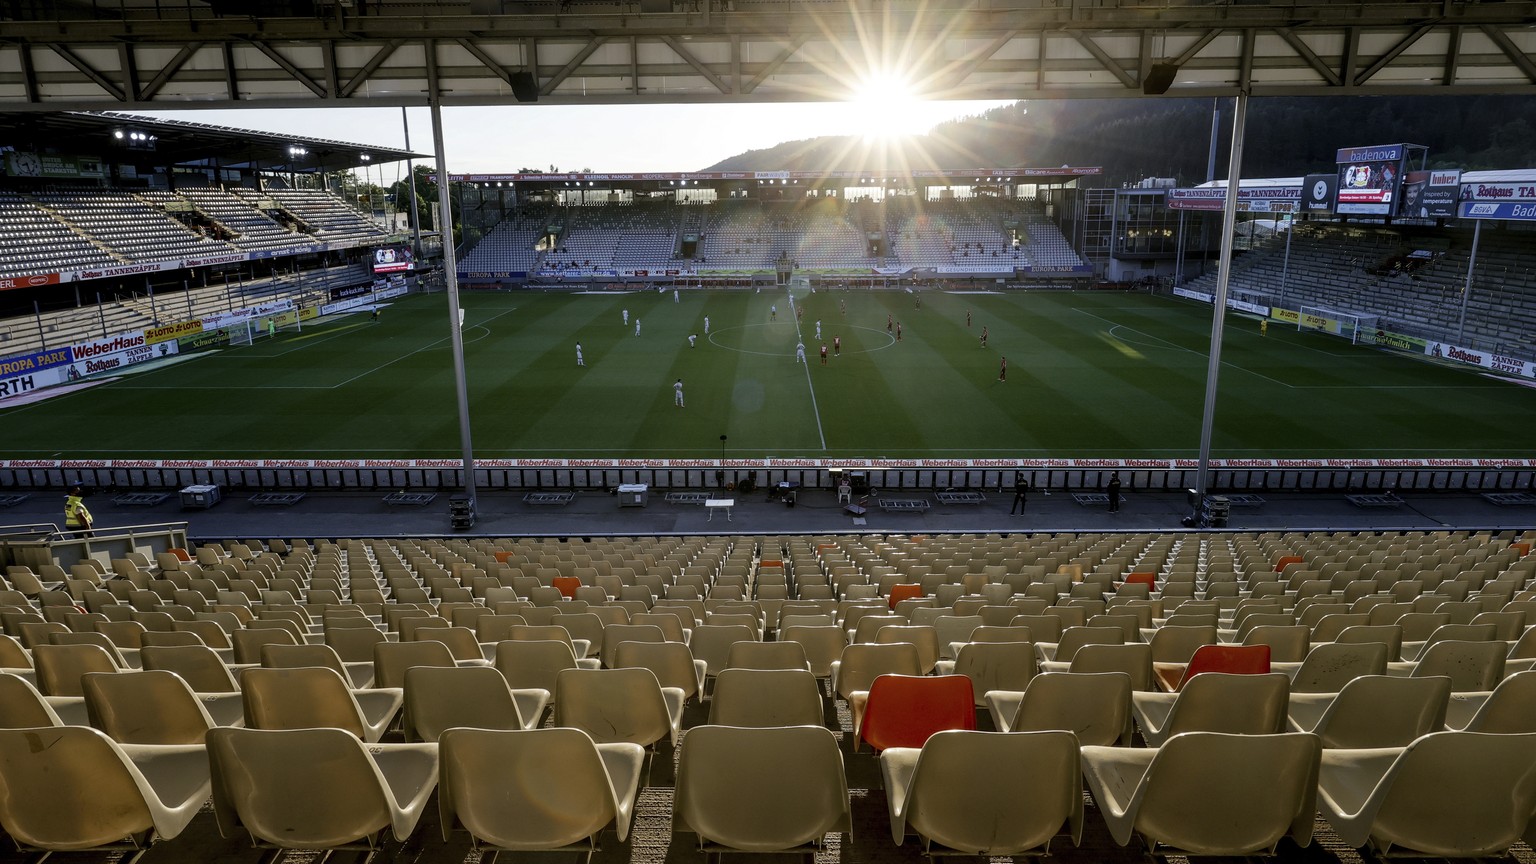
x=330 y=533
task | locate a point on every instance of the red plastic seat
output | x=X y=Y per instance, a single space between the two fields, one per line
x=904 y=591
x=1233 y=659
x=1147 y=579
x=1285 y=560
x=904 y=710
x=567 y=585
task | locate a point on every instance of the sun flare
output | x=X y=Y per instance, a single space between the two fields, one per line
x=887 y=105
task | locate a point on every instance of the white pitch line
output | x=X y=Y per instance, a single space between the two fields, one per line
x=811 y=386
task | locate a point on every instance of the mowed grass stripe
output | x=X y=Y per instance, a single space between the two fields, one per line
x=1090 y=374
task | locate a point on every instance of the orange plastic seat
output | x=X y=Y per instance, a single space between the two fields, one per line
x=1285 y=560
x=904 y=591
x=567 y=585
x=904 y=710
x=1233 y=659
x=180 y=553
x=1147 y=579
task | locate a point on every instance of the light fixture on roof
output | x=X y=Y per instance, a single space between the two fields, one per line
x=365 y=157
x=295 y=150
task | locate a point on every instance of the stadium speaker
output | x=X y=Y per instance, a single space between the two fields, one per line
x=1159 y=78
x=525 y=87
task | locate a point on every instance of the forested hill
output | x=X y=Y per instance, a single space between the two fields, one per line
x=1136 y=138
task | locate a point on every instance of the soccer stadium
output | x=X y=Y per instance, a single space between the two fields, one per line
x=848 y=502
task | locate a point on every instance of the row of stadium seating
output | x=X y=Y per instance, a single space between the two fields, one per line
x=462 y=642
x=752 y=235
x=1331 y=266
x=58 y=228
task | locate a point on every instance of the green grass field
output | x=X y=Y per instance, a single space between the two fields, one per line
x=1090 y=375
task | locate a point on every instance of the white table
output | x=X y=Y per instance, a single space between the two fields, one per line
x=714 y=504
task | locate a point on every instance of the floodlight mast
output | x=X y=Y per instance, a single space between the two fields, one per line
x=451 y=279
x=1219 y=312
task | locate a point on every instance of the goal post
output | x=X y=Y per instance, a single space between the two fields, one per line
x=1357 y=327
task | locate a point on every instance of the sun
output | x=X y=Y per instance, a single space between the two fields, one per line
x=887 y=105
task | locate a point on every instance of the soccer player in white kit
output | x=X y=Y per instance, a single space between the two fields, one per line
x=637 y=326
x=692 y=338
x=675 y=297
x=818 y=329
x=706 y=325
x=800 y=352
x=626 y=317
x=579 y=361
x=677 y=393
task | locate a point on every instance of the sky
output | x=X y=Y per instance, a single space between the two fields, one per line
x=617 y=138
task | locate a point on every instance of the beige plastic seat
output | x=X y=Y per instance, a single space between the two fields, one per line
x=392 y=659
x=925 y=637
x=1288 y=643
x=531 y=632
x=766 y=697
x=23 y=707
x=313 y=696
x=439 y=698
x=1132 y=658
x=985 y=793
x=1073 y=638
x=992 y=666
x=198 y=665
x=671 y=662
x=1470 y=665
x=537 y=665
x=1331 y=665
x=1510 y=709
x=59 y=667
x=712 y=644
x=1373 y=711
x=317 y=788
x=761 y=790
x=823 y=646
x=71 y=788
x=1390 y=634
x=766 y=655
x=1208 y=793
x=1223 y=702
x=536 y=790
x=1177 y=643
x=618 y=634
x=153 y=707
x=278 y=656
x=1450 y=794
x=1096 y=707
x=619 y=705
x=863 y=662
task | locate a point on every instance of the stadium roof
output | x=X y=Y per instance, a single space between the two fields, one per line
x=173 y=142
x=77 y=55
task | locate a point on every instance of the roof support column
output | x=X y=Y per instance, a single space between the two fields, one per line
x=1219 y=312
x=450 y=274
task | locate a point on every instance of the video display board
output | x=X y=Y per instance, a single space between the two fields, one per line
x=1369 y=179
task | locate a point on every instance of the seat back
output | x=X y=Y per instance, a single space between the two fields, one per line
x=823 y=645
x=1178 y=643
x=713 y=644
x=1458 y=795
x=539 y=789
x=863 y=662
x=306 y=788
x=248 y=642
x=925 y=637
x=1132 y=658
x=619 y=633
x=1196 y=798
x=623 y=705
x=198 y=665
x=766 y=697
x=441 y=697
x=761 y=790
x=49 y=773
x=1227 y=659
x=1384 y=711
x=534 y=664
x=671 y=662
x=59 y=667
x=751 y=654
x=1331 y=665
x=279 y=656
x=22 y=707
x=301 y=698
x=996 y=666
x=1471 y=666
x=391 y=659
x=1074 y=638
x=905 y=710
x=1235 y=703
x=1510 y=709
x=1389 y=634
x=967 y=793
x=1094 y=706
x=153 y=707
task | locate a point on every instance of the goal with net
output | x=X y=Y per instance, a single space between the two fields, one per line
x=264 y=327
x=1357 y=327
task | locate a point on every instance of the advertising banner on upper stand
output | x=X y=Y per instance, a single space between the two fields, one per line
x=1431 y=194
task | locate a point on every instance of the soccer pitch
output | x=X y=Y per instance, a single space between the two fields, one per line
x=1090 y=375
